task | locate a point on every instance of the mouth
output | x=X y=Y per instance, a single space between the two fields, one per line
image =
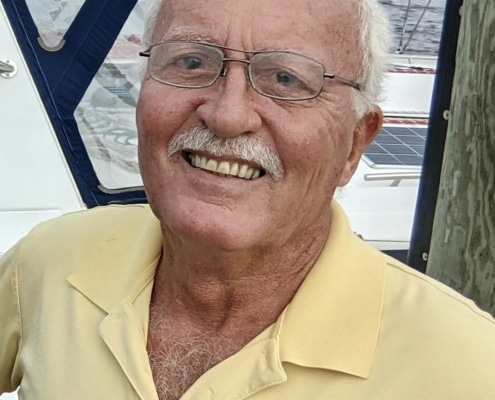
x=224 y=168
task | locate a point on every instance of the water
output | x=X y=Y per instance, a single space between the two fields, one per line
x=426 y=39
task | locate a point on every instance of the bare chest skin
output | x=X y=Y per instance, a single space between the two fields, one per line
x=180 y=354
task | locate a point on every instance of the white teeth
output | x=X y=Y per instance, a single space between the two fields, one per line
x=224 y=168
x=242 y=171
x=234 y=169
x=249 y=173
x=211 y=165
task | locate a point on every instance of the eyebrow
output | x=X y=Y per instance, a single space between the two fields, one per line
x=187 y=35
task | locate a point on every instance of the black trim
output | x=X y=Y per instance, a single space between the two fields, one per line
x=400 y=255
x=435 y=140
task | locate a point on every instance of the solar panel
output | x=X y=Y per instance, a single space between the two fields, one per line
x=398 y=145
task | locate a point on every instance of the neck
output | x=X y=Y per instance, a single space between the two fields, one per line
x=237 y=294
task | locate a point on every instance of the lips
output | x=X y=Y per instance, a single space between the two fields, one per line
x=224 y=168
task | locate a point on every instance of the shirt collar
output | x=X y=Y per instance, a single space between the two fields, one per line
x=332 y=322
x=334 y=318
x=121 y=261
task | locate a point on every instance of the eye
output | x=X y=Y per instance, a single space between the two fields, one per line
x=185 y=64
x=193 y=61
x=188 y=57
x=281 y=81
x=189 y=62
x=285 y=79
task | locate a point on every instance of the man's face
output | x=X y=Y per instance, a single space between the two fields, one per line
x=318 y=142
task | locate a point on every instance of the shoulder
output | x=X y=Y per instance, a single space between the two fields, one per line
x=431 y=338
x=423 y=303
x=98 y=218
x=408 y=287
x=443 y=333
x=61 y=244
x=88 y=226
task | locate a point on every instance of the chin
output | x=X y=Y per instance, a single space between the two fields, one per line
x=213 y=225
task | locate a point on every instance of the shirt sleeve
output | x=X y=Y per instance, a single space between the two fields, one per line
x=10 y=322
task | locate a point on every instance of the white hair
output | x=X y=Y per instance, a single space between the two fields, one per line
x=374 y=42
x=152 y=10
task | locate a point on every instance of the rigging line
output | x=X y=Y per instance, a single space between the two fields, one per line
x=404 y=26
x=416 y=26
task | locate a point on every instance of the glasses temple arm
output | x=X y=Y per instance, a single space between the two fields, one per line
x=352 y=84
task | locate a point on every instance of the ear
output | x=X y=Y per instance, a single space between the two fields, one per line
x=366 y=130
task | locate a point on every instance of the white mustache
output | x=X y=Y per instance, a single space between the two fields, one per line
x=244 y=146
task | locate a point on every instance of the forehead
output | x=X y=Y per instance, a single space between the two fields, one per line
x=315 y=28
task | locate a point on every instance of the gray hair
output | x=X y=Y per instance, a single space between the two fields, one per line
x=375 y=45
x=374 y=42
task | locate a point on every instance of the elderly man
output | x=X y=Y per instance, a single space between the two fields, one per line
x=244 y=280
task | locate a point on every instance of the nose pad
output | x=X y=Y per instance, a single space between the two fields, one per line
x=223 y=74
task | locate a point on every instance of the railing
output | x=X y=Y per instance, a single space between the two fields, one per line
x=395 y=177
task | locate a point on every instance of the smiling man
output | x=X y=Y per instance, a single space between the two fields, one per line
x=242 y=278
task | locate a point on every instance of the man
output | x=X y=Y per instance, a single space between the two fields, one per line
x=249 y=282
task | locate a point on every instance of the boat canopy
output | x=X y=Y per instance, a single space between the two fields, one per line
x=83 y=57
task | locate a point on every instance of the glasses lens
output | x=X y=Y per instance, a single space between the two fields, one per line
x=184 y=64
x=286 y=76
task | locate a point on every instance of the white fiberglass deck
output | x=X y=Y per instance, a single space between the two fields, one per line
x=380 y=200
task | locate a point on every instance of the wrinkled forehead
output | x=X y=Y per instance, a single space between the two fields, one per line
x=325 y=29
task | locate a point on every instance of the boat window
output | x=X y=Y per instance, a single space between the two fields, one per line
x=106 y=114
x=53 y=18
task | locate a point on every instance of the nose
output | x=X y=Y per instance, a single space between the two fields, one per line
x=231 y=109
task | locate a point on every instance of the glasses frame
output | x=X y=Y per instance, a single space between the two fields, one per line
x=223 y=71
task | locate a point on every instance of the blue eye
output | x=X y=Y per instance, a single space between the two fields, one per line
x=286 y=79
x=191 y=62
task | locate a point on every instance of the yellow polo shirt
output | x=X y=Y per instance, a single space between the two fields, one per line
x=74 y=300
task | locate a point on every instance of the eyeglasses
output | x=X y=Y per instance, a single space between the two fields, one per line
x=279 y=75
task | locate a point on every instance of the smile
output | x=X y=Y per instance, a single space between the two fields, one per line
x=224 y=168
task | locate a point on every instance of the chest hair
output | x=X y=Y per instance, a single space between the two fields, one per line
x=180 y=355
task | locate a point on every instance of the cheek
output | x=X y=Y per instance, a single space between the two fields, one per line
x=314 y=145
x=147 y=116
x=155 y=124
x=163 y=110
x=153 y=112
